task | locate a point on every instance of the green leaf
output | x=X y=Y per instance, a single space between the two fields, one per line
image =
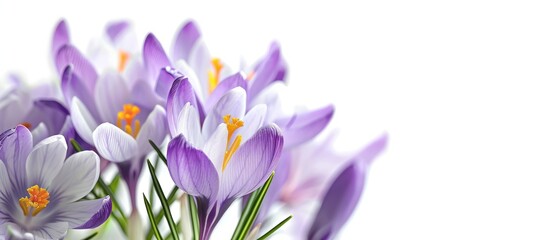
x=270 y=232
x=160 y=154
x=114 y=183
x=120 y=217
x=154 y=224
x=163 y=201
x=90 y=236
x=158 y=217
x=194 y=217
x=250 y=211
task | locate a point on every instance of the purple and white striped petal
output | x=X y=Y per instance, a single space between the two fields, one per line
x=114 y=144
x=69 y=55
x=45 y=161
x=233 y=81
x=188 y=124
x=165 y=79
x=191 y=170
x=15 y=147
x=96 y=211
x=266 y=71
x=232 y=103
x=252 y=163
x=344 y=193
x=111 y=93
x=154 y=128
x=185 y=41
x=302 y=127
x=154 y=57
x=144 y=95
x=73 y=86
x=76 y=178
x=184 y=68
x=216 y=145
x=60 y=37
x=253 y=120
x=82 y=120
x=200 y=61
x=180 y=94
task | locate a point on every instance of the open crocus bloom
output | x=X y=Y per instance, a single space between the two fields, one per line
x=227 y=158
x=40 y=190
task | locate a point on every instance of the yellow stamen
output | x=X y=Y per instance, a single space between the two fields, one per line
x=213 y=76
x=37 y=200
x=123 y=58
x=128 y=114
x=232 y=125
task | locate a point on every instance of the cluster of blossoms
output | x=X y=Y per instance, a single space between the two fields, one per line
x=223 y=131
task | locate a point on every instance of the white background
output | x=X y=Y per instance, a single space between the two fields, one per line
x=460 y=86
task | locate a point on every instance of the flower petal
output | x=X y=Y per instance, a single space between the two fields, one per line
x=165 y=79
x=232 y=103
x=154 y=56
x=266 y=71
x=233 y=81
x=185 y=41
x=180 y=94
x=191 y=169
x=111 y=93
x=15 y=147
x=154 y=128
x=60 y=37
x=188 y=124
x=68 y=55
x=46 y=160
x=76 y=178
x=72 y=86
x=200 y=61
x=144 y=95
x=302 y=127
x=115 y=29
x=184 y=68
x=40 y=133
x=253 y=120
x=86 y=214
x=82 y=120
x=216 y=145
x=252 y=163
x=114 y=144
x=344 y=193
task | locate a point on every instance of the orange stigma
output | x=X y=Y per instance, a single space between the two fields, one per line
x=123 y=58
x=213 y=76
x=37 y=200
x=250 y=75
x=232 y=125
x=128 y=114
x=28 y=125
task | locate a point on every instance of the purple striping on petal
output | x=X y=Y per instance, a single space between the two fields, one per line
x=60 y=37
x=233 y=81
x=154 y=57
x=305 y=126
x=166 y=77
x=185 y=41
x=69 y=55
x=180 y=94
x=100 y=217
x=266 y=71
x=73 y=86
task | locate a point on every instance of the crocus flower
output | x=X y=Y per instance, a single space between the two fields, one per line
x=228 y=157
x=41 y=192
x=34 y=107
x=108 y=117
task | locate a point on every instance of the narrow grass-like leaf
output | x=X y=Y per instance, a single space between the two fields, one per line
x=194 y=217
x=250 y=211
x=158 y=217
x=163 y=201
x=120 y=217
x=115 y=183
x=90 y=236
x=170 y=237
x=160 y=154
x=270 y=232
x=154 y=224
x=151 y=189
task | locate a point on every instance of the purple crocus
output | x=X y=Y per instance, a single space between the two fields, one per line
x=342 y=196
x=107 y=116
x=41 y=192
x=226 y=157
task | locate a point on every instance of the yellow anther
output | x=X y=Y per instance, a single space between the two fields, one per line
x=232 y=125
x=250 y=75
x=213 y=75
x=128 y=114
x=37 y=200
x=123 y=58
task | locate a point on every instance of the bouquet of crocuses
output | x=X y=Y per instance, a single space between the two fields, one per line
x=223 y=134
